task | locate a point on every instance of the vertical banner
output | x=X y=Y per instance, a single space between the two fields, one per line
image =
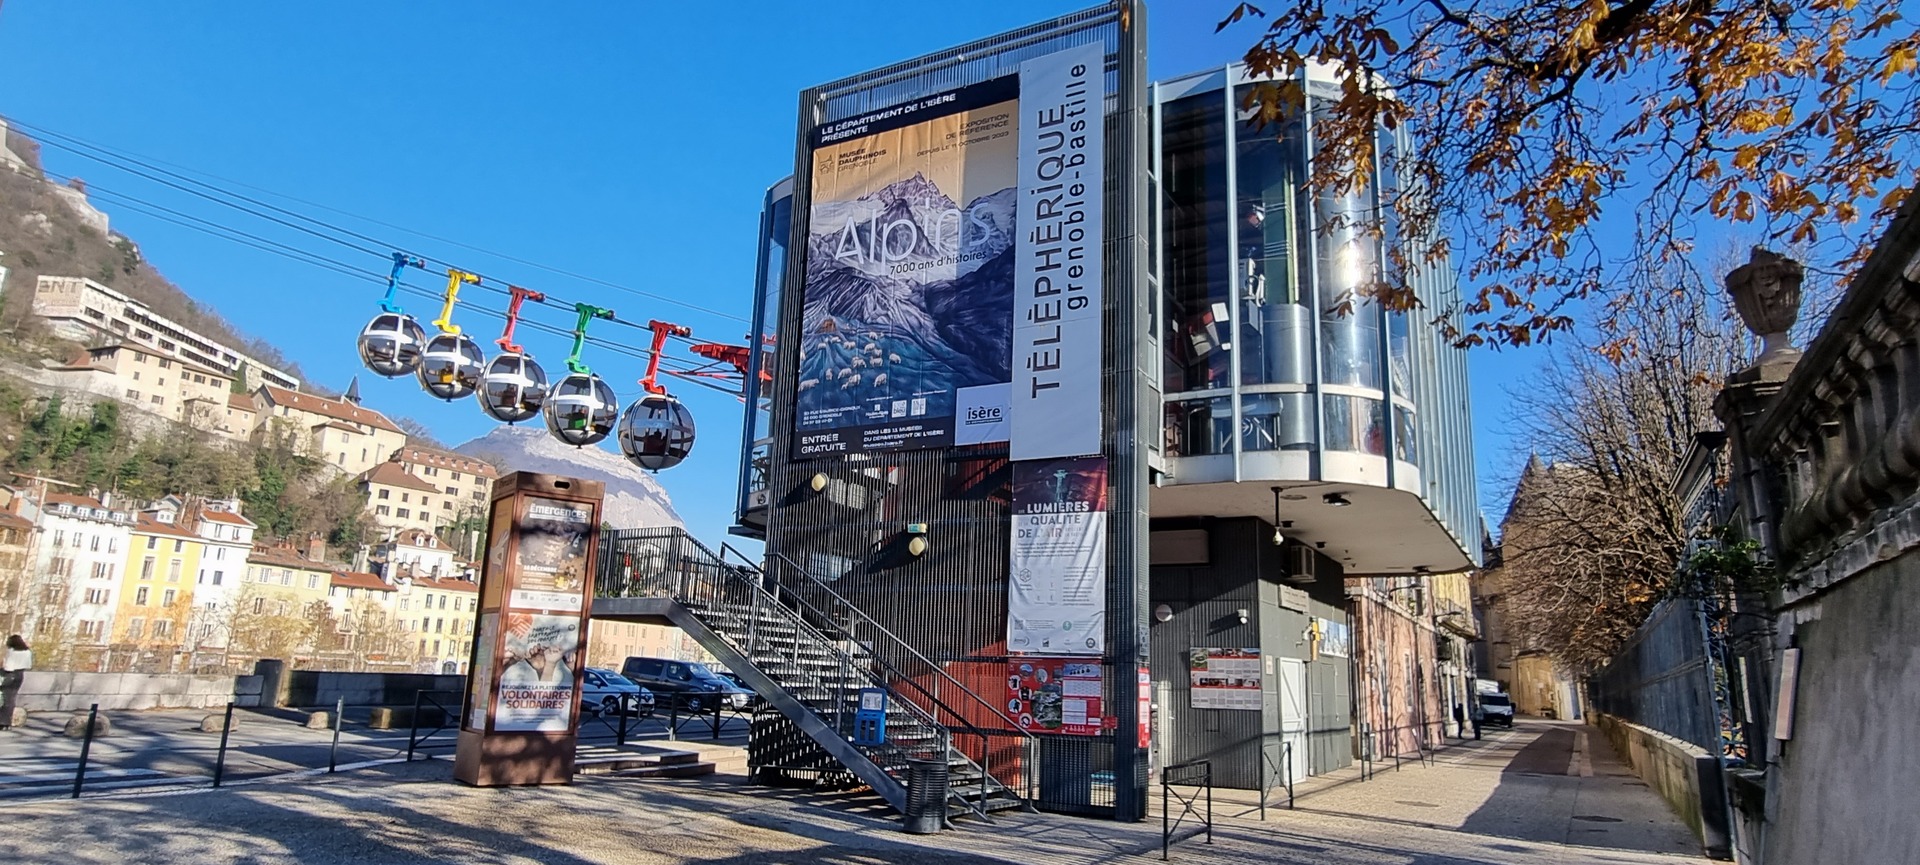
x=1057 y=264
x=1057 y=593
x=908 y=299
x=1057 y=695
x=542 y=622
x=1225 y=678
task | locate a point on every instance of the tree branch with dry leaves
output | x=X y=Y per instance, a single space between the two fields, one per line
x=1573 y=150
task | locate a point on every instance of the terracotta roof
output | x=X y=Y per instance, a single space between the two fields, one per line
x=149 y=526
x=14 y=521
x=391 y=474
x=284 y=558
x=427 y=456
x=334 y=424
x=333 y=408
x=229 y=518
x=360 y=580
x=54 y=499
x=241 y=401
x=449 y=584
x=417 y=538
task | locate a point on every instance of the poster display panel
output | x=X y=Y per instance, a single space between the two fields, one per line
x=536 y=676
x=1057 y=287
x=1336 y=639
x=1057 y=695
x=908 y=295
x=552 y=556
x=480 y=672
x=1224 y=678
x=1057 y=594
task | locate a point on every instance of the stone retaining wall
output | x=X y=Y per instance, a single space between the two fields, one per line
x=1684 y=775
x=45 y=691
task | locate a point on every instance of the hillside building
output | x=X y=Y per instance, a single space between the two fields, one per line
x=80 y=562
x=141 y=377
x=464 y=482
x=85 y=311
x=338 y=432
x=400 y=501
x=156 y=597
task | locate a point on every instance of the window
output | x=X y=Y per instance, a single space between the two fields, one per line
x=313 y=581
x=404 y=513
x=97 y=596
x=133 y=394
x=173 y=571
x=134 y=628
x=436 y=647
x=166 y=364
x=102 y=570
x=59 y=536
x=163 y=629
x=286 y=577
x=383 y=494
x=451 y=491
x=140 y=596
x=405 y=497
x=159 y=400
x=425 y=503
x=179 y=546
x=79 y=540
x=95 y=544
x=381 y=510
x=363 y=454
x=216 y=577
x=456 y=478
x=167 y=597
x=91 y=630
x=113 y=545
x=343 y=457
x=146 y=568
x=220 y=553
x=443 y=602
x=259 y=605
x=439 y=626
x=152 y=542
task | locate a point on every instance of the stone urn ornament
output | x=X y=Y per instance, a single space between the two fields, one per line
x=1766 y=293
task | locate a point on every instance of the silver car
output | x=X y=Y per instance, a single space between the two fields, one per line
x=603 y=690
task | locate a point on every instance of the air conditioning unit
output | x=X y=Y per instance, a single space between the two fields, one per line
x=1301 y=563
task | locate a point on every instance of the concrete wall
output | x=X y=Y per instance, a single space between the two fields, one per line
x=57 y=691
x=1684 y=775
x=316 y=689
x=1843 y=787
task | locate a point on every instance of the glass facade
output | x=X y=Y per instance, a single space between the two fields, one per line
x=1268 y=343
x=1270 y=340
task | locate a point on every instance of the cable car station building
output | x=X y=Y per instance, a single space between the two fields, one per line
x=1055 y=433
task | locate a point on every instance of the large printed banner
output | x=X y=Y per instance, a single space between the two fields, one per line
x=952 y=292
x=908 y=300
x=1057 y=695
x=1057 y=591
x=1057 y=292
x=536 y=676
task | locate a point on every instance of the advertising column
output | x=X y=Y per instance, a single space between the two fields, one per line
x=523 y=694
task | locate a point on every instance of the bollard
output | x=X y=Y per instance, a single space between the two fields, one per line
x=413 y=726
x=220 y=761
x=673 y=718
x=622 y=736
x=716 y=719
x=86 y=745
x=333 y=751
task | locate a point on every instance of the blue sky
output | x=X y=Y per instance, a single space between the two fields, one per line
x=624 y=141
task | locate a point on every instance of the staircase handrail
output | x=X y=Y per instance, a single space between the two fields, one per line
x=1012 y=726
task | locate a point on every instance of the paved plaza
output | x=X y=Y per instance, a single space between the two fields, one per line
x=1542 y=794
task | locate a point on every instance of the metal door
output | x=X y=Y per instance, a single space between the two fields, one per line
x=1292 y=684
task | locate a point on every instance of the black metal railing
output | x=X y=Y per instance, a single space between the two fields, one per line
x=444 y=719
x=1197 y=777
x=790 y=640
x=1276 y=772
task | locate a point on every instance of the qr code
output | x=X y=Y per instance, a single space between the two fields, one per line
x=919 y=406
x=899 y=408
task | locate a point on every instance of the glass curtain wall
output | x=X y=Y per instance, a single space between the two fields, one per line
x=775 y=222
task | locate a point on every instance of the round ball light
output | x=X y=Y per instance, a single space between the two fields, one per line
x=656 y=432
x=513 y=388
x=451 y=366
x=581 y=409
x=391 y=343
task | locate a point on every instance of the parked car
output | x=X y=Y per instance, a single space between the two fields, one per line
x=603 y=690
x=692 y=686
x=753 y=698
x=1496 y=709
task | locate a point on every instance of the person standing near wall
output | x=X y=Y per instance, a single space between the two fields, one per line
x=13 y=672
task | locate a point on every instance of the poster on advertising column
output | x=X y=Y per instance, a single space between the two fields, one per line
x=1057 y=695
x=908 y=296
x=1057 y=273
x=536 y=672
x=1057 y=587
x=1224 y=678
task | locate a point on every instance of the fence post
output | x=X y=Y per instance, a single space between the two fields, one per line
x=673 y=717
x=220 y=762
x=333 y=751
x=86 y=745
x=413 y=726
x=622 y=737
x=1209 y=801
x=1166 y=826
x=718 y=705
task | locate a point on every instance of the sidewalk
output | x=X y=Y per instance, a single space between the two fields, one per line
x=1455 y=813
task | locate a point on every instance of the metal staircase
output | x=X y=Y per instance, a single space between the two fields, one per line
x=809 y=659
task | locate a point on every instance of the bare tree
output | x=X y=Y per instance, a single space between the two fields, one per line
x=1595 y=534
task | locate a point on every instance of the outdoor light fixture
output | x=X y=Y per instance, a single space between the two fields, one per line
x=1242 y=613
x=1163 y=613
x=1338 y=500
x=917 y=547
x=1278 y=538
x=818 y=482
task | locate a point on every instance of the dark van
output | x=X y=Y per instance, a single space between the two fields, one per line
x=693 y=686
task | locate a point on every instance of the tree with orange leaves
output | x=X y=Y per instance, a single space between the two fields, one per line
x=1573 y=151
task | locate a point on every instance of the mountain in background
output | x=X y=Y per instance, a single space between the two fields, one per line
x=634 y=498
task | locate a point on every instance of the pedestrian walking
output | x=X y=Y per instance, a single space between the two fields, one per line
x=1477 y=715
x=1459 y=720
x=13 y=672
